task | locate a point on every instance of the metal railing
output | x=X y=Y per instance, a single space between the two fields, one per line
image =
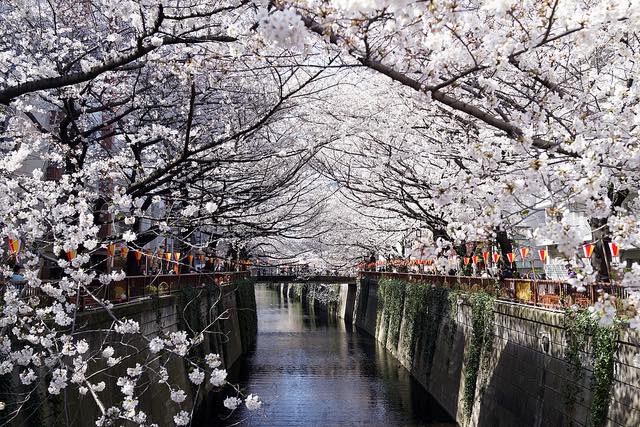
x=541 y=293
x=134 y=288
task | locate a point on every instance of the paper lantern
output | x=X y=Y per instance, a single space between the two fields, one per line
x=124 y=251
x=176 y=256
x=14 y=245
x=71 y=254
x=524 y=251
x=111 y=250
x=588 y=250
x=476 y=258
x=201 y=258
x=496 y=257
x=138 y=256
x=485 y=256
x=189 y=259
x=542 y=254
x=511 y=257
x=167 y=256
x=614 y=248
x=467 y=260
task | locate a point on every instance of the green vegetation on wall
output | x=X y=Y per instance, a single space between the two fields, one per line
x=580 y=329
x=424 y=308
x=415 y=322
x=427 y=307
x=391 y=299
x=480 y=346
x=577 y=325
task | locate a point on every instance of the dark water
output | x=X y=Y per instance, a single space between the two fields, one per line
x=311 y=370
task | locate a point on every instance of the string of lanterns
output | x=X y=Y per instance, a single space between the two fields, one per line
x=523 y=252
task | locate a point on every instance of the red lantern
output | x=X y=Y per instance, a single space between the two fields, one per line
x=476 y=258
x=615 y=249
x=467 y=260
x=485 y=256
x=14 y=245
x=496 y=257
x=511 y=256
x=524 y=251
x=542 y=254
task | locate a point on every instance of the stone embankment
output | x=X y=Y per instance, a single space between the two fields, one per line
x=492 y=363
x=190 y=309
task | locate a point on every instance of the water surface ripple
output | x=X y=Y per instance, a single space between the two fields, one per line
x=312 y=370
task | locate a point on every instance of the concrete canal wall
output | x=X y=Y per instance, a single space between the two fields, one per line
x=515 y=366
x=189 y=309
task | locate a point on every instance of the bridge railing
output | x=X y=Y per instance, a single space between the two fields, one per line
x=134 y=288
x=542 y=293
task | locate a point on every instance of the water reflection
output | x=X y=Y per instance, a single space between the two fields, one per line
x=315 y=370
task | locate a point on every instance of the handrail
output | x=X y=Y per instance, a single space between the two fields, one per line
x=133 y=288
x=542 y=293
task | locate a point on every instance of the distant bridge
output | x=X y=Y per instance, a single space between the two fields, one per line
x=300 y=278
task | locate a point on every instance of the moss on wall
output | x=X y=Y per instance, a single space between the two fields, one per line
x=391 y=295
x=479 y=347
x=580 y=330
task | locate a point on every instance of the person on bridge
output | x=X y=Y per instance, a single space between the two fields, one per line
x=17 y=279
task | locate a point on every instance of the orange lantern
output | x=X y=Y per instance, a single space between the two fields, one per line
x=176 y=256
x=511 y=257
x=496 y=257
x=476 y=258
x=71 y=254
x=111 y=250
x=467 y=260
x=167 y=256
x=124 y=251
x=588 y=249
x=138 y=256
x=524 y=251
x=189 y=259
x=201 y=258
x=485 y=257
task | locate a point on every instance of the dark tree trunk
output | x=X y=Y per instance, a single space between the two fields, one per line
x=601 y=256
x=132 y=267
x=506 y=246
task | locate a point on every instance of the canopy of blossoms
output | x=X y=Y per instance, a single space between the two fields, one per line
x=303 y=129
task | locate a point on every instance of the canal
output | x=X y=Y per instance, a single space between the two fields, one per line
x=313 y=369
